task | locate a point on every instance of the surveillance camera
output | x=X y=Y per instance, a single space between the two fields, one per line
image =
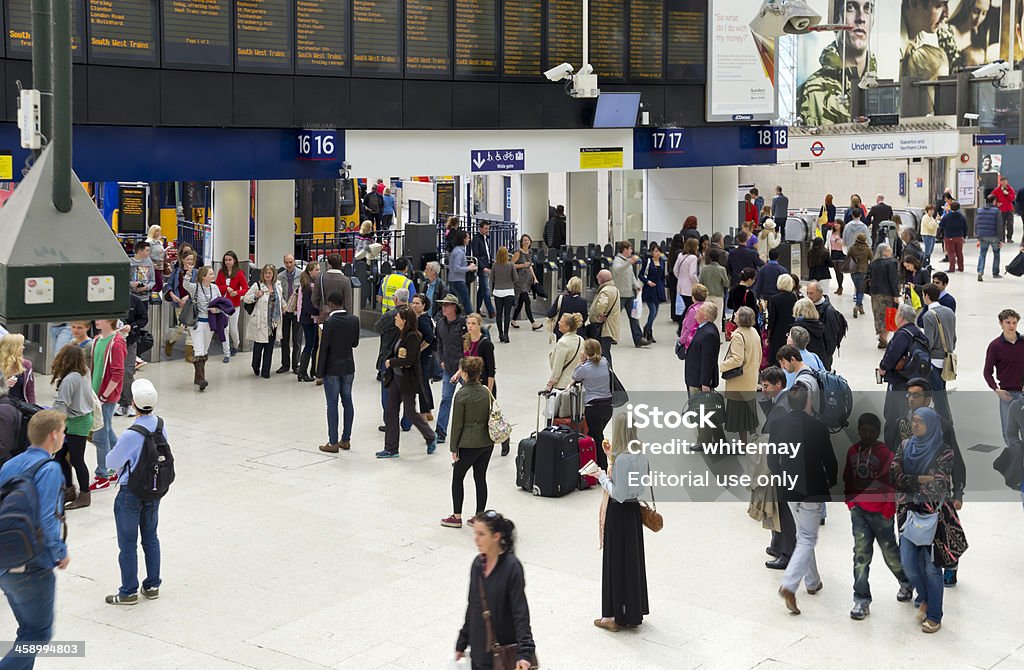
x=559 y=72
x=991 y=70
x=971 y=117
x=780 y=17
x=868 y=81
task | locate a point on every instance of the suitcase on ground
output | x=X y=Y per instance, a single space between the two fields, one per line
x=575 y=421
x=524 y=462
x=556 y=462
x=588 y=452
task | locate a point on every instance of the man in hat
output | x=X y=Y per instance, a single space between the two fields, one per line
x=133 y=516
x=766 y=284
x=448 y=337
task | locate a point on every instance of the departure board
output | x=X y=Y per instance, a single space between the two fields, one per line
x=647 y=39
x=565 y=33
x=427 y=41
x=608 y=38
x=522 y=27
x=19 y=29
x=123 y=32
x=686 y=50
x=197 y=34
x=476 y=38
x=321 y=32
x=263 y=35
x=376 y=37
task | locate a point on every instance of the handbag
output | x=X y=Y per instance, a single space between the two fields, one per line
x=649 y=515
x=292 y=304
x=619 y=395
x=1016 y=266
x=498 y=427
x=503 y=655
x=735 y=372
x=188 y=317
x=1010 y=464
x=551 y=322
x=97 y=412
x=144 y=343
x=949 y=360
x=848 y=265
x=890 y=320
x=250 y=307
x=919 y=529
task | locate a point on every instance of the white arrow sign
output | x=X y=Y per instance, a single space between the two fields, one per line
x=479 y=161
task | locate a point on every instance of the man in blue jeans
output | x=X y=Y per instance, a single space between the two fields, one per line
x=31 y=588
x=987 y=227
x=481 y=247
x=336 y=366
x=448 y=337
x=133 y=516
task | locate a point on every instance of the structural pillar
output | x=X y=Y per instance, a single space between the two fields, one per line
x=581 y=209
x=230 y=216
x=725 y=182
x=533 y=208
x=275 y=221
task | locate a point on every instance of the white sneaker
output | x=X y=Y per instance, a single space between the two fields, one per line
x=120 y=410
x=131 y=411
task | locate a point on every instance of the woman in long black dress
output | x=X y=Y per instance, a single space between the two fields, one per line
x=624 y=572
x=780 y=314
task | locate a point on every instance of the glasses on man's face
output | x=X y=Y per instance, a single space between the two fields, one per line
x=914 y=396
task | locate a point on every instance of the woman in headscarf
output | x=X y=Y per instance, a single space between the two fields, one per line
x=922 y=473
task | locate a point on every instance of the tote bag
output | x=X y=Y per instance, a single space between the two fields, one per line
x=920 y=528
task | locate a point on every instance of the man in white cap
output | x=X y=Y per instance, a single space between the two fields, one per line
x=134 y=515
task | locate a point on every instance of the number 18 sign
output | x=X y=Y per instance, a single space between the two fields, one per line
x=317 y=145
x=765 y=137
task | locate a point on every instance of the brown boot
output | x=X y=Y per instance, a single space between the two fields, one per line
x=189 y=353
x=201 y=360
x=69 y=494
x=195 y=366
x=168 y=349
x=84 y=499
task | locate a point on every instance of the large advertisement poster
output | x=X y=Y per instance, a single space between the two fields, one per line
x=742 y=66
x=830 y=63
x=939 y=38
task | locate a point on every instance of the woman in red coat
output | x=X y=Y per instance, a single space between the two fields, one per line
x=233 y=285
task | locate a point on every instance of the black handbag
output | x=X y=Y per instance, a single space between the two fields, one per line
x=188 y=317
x=1010 y=464
x=732 y=374
x=1016 y=266
x=619 y=394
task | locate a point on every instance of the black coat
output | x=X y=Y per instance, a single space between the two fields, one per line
x=780 y=318
x=702 y=357
x=816 y=329
x=480 y=247
x=896 y=350
x=884 y=277
x=505 y=588
x=405 y=364
x=570 y=304
x=814 y=466
x=877 y=214
x=340 y=336
x=739 y=258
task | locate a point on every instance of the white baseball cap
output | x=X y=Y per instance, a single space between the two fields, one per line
x=144 y=394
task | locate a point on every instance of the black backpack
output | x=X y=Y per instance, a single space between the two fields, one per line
x=917 y=361
x=27 y=411
x=21 y=534
x=154 y=470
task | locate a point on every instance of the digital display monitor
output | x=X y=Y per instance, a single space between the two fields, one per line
x=263 y=36
x=321 y=37
x=617 y=110
x=197 y=34
x=376 y=37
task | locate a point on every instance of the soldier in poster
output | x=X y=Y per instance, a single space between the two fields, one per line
x=824 y=98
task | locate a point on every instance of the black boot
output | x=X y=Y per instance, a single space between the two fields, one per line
x=200 y=362
x=303 y=367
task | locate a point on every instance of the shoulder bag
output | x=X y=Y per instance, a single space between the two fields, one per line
x=949 y=360
x=503 y=655
x=189 y=317
x=250 y=307
x=498 y=426
x=552 y=321
x=619 y=394
x=919 y=529
x=649 y=515
x=736 y=372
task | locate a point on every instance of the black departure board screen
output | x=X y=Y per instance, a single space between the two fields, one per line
x=647 y=39
x=19 y=29
x=197 y=34
x=687 y=25
x=476 y=38
x=608 y=38
x=522 y=25
x=123 y=32
x=263 y=35
x=321 y=32
x=565 y=33
x=376 y=37
x=427 y=41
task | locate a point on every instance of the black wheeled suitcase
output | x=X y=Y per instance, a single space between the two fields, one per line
x=525 y=453
x=556 y=462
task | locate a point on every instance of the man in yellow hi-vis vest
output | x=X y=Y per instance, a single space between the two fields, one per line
x=394 y=281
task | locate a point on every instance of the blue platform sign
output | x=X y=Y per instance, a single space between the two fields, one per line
x=497 y=160
x=317 y=145
x=990 y=140
x=655 y=148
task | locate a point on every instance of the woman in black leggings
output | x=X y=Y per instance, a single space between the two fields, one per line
x=595 y=375
x=526 y=278
x=74 y=398
x=469 y=440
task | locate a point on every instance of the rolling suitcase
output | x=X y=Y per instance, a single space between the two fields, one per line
x=556 y=462
x=588 y=452
x=575 y=420
x=525 y=453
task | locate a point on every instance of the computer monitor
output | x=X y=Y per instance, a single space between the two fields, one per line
x=617 y=110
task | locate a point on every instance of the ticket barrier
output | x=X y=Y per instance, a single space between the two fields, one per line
x=552 y=278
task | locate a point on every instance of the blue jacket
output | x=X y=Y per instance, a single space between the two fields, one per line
x=953 y=225
x=987 y=222
x=766 y=284
x=49 y=488
x=655 y=273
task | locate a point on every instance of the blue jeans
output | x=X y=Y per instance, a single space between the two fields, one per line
x=985 y=243
x=31 y=596
x=61 y=335
x=445 y=408
x=652 y=314
x=924 y=575
x=132 y=516
x=461 y=291
x=929 y=245
x=483 y=292
x=336 y=386
x=868 y=528
x=105 y=439
x=1004 y=408
x=858 y=288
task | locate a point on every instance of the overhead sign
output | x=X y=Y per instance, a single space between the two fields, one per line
x=597 y=158
x=870 y=146
x=990 y=140
x=317 y=145
x=497 y=160
x=696 y=147
x=744 y=65
x=765 y=137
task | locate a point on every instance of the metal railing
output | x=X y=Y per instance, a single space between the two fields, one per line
x=310 y=247
x=502 y=234
x=195 y=234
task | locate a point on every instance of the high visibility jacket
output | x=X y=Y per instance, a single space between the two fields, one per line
x=392 y=283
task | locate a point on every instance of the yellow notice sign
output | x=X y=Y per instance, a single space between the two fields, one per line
x=600 y=158
x=6 y=166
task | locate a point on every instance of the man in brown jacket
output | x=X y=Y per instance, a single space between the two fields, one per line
x=604 y=314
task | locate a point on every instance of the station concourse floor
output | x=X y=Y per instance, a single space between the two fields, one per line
x=278 y=556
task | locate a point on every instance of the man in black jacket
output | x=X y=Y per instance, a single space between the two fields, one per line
x=810 y=472
x=389 y=335
x=481 y=248
x=373 y=204
x=702 y=354
x=136 y=321
x=448 y=337
x=742 y=257
x=336 y=366
x=554 y=229
x=894 y=368
x=832 y=319
x=877 y=214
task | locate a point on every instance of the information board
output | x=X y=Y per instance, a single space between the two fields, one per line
x=608 y=38
x=428 y=38
x=131 y=217
x=376 y=37
x=321 y=36
x=197 y=34
x=646 y=39
x=123 y=32
x=18 y=21
x=565 y=33
x=522 y=27
x=476 y=38
x=686 y=25
x=263 y=36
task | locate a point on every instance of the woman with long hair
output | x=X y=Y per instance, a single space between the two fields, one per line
x=834 y=236
x=503 y=290
x=403 y=377
x=819 y=264
x=593 y=372
x=827 y=211
x=470 y=442
x=686 y=270
x=624 y=599
x=308 y=317
x=233 y=285
x=671 y=283
x=421 y=307
x=266 y=317
x=21 y=383
x=475 y=344
x=157 y=254
x=652 y=275
x=526 y=278
x=176 y=293
x=74 y=398
x=744 y=356
x=202 y=293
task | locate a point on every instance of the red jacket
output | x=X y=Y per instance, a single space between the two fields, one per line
x=1005 y=200
x=117 y=351
x=866 y=476
x=238 y=283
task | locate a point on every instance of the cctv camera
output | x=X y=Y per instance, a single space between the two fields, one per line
x=995 y=69
x=780 y=17
x=559 y=72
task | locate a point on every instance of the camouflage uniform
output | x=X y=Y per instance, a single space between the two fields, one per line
x=819 y=95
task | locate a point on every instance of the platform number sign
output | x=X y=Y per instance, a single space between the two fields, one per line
x=670 y=139
x=317 y=145
x=766 y=137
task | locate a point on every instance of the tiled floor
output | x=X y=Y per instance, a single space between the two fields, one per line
x=277 y=556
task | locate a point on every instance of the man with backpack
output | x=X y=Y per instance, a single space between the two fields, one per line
x=145 y=467
x=906 y=356
x=32 y=506
x=830 y=317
